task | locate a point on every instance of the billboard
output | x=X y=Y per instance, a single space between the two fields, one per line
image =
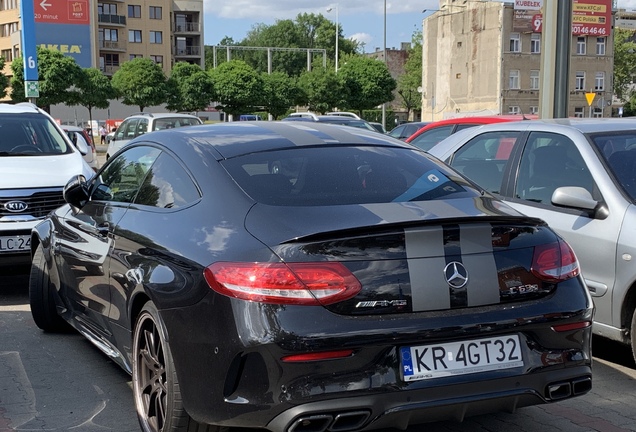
x=64 y=26
x=589 y=17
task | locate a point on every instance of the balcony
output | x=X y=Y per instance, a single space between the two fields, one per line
x=119 y=46
x=187 y=27
x=109 y=70
x=119 y=20
x=187 y=51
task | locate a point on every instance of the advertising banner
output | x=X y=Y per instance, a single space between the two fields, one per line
x=589 y=17
x=64 y=26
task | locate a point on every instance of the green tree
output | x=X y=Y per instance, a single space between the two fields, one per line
x=411 y=80
x=624 y=62
x=238 y=87
x=140 y=82
x=93 y=90
x=368 y=81
x=4 y=80
x=279 y=93
x=189 y=88
x=322 y=90
x=57 y=75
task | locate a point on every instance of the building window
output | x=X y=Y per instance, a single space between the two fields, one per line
x=514 y=80
x=134 y=11
x=581 y=45
x=597 y=113
x=534 y=110
x=579 y=84
x=111 y=59
x=134 y=56
x=155 y=12
x=578 y=112
x=534 y=80
x=7 y=55
x=514 y=109
x=515 y=42
x=156 y=37
x=535 y=43
x=106 y=9
x=134 y=36
x=600 y=46
x=157 y=59
x=599 y=81
x=108 y=35
x=8 y=29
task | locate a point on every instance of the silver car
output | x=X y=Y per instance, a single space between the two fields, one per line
x=579 y=175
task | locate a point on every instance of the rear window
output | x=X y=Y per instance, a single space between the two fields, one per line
x=345 y=175
x=30 y=135
x=174 y=122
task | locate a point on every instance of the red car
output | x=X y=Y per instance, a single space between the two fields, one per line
x=429 y=135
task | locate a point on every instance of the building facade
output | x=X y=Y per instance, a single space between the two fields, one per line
x=395 y=61
x=166 y=31
x=482 y=58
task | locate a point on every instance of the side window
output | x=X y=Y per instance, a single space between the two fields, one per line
x=550 y=161
x=122 y=177
x=142 y=127
x=127 y=129
x=484 y=158
x=427 y=140
x=167 y=185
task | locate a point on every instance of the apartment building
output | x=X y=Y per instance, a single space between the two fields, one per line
x=482 y=58
x=166 y=31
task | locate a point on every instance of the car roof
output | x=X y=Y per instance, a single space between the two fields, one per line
x=238 y=138
x=162 y=115
x=23 y=107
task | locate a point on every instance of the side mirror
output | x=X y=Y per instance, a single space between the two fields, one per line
x=579 y=198
x=76 y=192
x=81 y=145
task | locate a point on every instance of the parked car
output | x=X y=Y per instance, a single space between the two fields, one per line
x=338 y=120
x=142 y=123
x=580 y=177
x=36 y=160
x=78 y=134
x=306 y=114
x=372 y=286
x=405 y=130
x=429 y=135
x=249 y=117
x=378 y=127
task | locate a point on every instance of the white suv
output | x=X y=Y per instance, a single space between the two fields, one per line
x=36 y=160
x=142 y=123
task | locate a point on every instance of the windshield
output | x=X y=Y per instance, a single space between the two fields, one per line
x=345 y=175
x=30 y=134
x=619 y=151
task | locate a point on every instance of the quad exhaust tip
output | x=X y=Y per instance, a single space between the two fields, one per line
x=564 y=389
x=332 y=422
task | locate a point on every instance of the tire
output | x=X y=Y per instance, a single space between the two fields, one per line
x=41 y=297
x=632 y=335
x=155 y=385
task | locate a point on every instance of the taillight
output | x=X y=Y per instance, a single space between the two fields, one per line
x=555 y=262
x=316 y=283
x=317 y=356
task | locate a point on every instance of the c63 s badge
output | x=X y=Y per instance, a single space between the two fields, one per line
x=381 y=303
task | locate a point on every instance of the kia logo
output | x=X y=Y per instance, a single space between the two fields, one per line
x=16 y=206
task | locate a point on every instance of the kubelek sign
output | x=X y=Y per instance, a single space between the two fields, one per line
x=589 y=17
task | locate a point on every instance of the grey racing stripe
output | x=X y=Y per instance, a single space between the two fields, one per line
x=479 y=260
x=426 y=262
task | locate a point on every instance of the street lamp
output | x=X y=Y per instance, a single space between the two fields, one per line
x=385 y=62
x=337 y=33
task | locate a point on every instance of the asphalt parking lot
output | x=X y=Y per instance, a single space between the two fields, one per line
x=60 y=382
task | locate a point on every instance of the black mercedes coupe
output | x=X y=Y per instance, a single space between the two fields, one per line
x=305 y=277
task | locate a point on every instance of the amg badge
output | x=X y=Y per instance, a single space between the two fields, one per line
x=381 y=303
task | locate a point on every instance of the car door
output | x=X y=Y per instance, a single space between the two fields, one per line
x=86 y=241
x=551 y=160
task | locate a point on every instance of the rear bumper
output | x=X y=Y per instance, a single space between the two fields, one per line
x=435 y=404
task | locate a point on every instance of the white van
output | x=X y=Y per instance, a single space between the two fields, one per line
x=37 y=159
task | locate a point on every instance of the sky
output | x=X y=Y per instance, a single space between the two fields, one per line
x=362 y=20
